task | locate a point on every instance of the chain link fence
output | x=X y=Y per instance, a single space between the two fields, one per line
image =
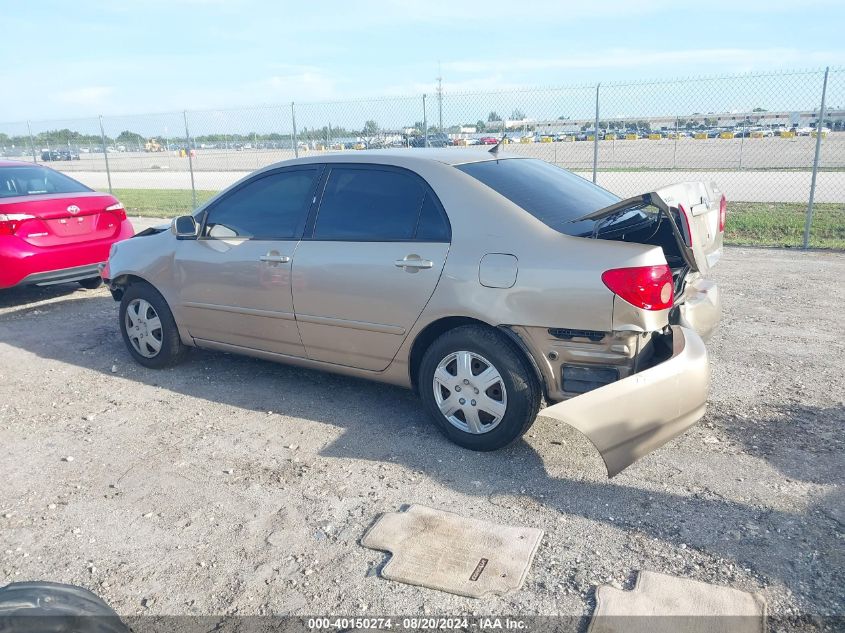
x=760 y=137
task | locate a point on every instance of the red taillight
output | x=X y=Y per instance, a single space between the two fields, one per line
x=723 y=213
x=118 y=210
x=646 y=287
x=9 y=222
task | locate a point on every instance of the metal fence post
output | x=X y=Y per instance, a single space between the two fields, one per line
x=31 y=142
x=596 y=136
x=675 y=148
x=105 y=151
x=425 y=125
x=819 y=125
x=190 y=160
x=294 y=139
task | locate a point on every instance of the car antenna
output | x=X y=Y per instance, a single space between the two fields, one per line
x=495 y=149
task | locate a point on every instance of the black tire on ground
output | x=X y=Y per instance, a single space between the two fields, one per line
x=92 y=283
x=172 y=349
x=523 y=389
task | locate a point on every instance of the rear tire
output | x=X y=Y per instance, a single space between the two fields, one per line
x=485 y=383
x=148 y=327
x=92 y=283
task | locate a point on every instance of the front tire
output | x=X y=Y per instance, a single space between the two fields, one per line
x=479 y=388
x=148 y=327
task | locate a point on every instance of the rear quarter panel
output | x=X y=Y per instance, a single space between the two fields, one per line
x=558 y=281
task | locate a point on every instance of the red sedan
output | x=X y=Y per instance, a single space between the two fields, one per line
x=54 y=229
x=489 y=140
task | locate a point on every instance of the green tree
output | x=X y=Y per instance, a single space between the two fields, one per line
x=493 y=116
x=130 y=137
x=370 y=128
x=517 y=114
x=480 y=126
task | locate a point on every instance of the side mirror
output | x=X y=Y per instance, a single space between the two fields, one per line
x=184 y=227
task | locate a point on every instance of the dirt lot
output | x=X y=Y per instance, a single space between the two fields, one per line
x=231 y=485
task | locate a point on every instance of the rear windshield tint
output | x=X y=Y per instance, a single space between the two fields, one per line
x=551 y=194
x=33 y=181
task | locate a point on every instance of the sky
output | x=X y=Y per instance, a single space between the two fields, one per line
x=64 y=59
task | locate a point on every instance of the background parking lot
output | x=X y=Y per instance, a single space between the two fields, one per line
x=232 y=485
x=753 y=134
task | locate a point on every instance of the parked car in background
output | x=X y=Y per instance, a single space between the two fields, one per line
x=436 y=139
x=585 y=135
x=54 y=229
x=489 y=140
x=48 y=155
x=485 y=282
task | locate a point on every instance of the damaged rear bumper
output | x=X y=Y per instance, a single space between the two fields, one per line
x=631 y=417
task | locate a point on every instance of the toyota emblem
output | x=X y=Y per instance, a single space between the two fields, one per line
x=73 y=209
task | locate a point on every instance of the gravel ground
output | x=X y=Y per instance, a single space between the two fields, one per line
x=232 y=485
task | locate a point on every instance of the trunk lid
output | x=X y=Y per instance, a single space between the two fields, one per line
x=58 y=219
x=692 y=210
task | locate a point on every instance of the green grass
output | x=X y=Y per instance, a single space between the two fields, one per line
x=160 y=203
x=749 y=223
x=782 y=224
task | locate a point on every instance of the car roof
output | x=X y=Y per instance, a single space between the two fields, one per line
x=447 y=156
x=18 y=163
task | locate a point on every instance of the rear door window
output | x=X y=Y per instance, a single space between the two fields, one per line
x=433 y=225
x=553 y=195
x=273 y=206
x=368 y=204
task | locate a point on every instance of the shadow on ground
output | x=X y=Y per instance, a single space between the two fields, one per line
x=12 y=297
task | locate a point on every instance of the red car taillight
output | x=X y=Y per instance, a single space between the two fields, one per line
x=646 y=287
x=9 y=222
x=723 y=213
x=118 y=210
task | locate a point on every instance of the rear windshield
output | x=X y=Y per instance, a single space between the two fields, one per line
x=551 y=194
x=32 y=181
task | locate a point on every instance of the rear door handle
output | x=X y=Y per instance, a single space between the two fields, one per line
x=413 y=263
x=275 y=258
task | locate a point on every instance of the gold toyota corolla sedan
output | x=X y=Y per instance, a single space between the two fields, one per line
x=487 y=283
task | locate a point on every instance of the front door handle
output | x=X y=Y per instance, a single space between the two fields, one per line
x=413 y=263
x=274 y=258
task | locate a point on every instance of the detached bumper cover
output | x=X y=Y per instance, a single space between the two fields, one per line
x=630 y=418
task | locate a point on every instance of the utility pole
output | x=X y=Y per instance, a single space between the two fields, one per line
x=440 y=97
